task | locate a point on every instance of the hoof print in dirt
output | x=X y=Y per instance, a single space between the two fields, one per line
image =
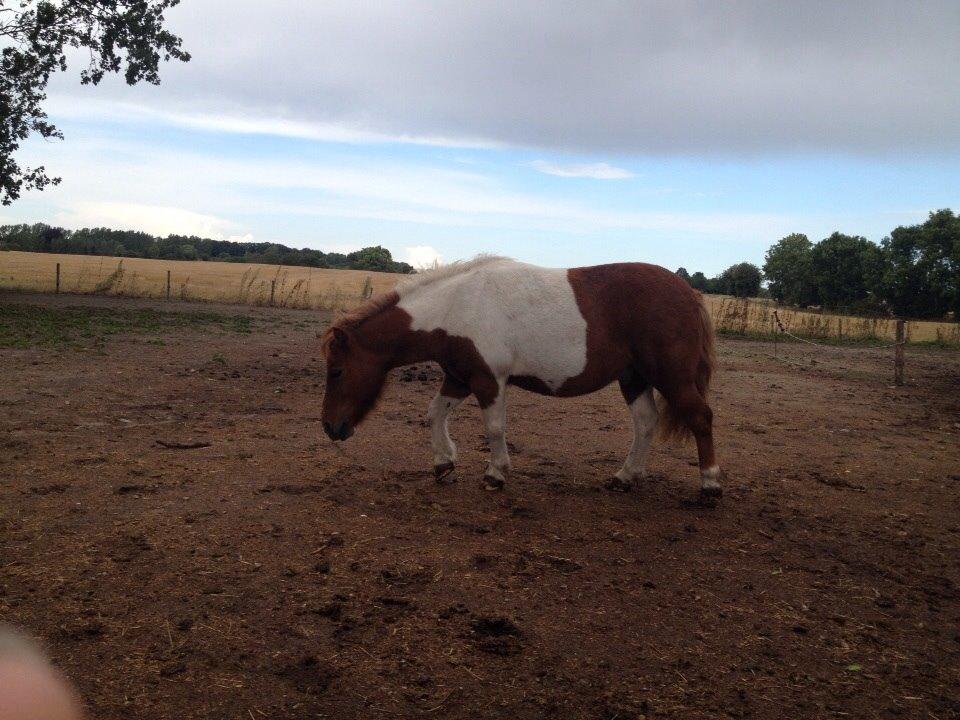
x=455 y=609
x=712 y=491
x=497 y=636
x=308 y=675
x=705 y=500
x=443 y=474
x=615 y=484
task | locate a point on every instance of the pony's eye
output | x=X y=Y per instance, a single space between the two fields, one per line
x=334 y=374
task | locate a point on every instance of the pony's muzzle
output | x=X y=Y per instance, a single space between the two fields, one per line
x=337 y=431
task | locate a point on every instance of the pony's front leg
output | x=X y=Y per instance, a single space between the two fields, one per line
x=494 y=421
x=451 y=394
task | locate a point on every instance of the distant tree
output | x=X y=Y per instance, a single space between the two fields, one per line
x=789 y=272
x=682 y=273
x=131 y=243
x=921 y=273
x=371 y=258
x=35 y=36
x=741 y=280
x=846 y=271
x=698 y=281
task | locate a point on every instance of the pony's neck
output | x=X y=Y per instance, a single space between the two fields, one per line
x=388 y=334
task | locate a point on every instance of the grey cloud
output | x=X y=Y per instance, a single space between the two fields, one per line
x=586 y=77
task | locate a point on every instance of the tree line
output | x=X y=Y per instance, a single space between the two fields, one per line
x=914 y=272
x=44 y=238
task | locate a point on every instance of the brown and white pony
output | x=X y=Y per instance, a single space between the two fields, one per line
x=493 y=322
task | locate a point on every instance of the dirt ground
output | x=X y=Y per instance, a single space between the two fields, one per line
x=268 y=575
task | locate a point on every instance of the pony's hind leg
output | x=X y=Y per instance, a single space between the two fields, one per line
x=450 y=395
x=643 y=410
x=690 y=409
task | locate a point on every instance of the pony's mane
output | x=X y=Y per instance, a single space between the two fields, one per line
x=352 y=319
x=442 y=272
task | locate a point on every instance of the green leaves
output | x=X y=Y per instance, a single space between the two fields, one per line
x=120 y=35
x=913 y=273
x=787 y=269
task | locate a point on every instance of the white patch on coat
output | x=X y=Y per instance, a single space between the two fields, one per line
x=444 y=449
x=523 y=319
x=645 y=415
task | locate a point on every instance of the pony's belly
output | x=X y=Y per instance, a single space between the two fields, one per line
x=533 y=384
x=581 y=384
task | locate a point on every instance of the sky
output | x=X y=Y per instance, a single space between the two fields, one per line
x=689 y=134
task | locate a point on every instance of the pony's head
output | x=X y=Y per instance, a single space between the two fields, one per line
x=355 y=377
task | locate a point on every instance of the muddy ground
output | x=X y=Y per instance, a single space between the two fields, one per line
x=267 y=575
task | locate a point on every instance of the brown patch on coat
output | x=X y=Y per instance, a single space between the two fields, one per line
x=647 y=327
x=363 y=346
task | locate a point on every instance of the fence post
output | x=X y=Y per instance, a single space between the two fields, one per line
x=840 y=328
x=273 y=285
x=776 y=335
x=58 y=278
x=898 y=355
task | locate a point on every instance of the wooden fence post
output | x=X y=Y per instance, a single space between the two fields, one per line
x=840 y=328
x=898 y=355
x=58 y=278
x=168 y=286
x=273 y=285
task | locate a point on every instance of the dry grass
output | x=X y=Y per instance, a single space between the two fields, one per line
x=247 y=284
x=755 y=317
x=301 y=287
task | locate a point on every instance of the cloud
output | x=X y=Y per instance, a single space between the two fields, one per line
x=422 y=256
x=245 y=238
x=595 y=171
x=104 y=181
x=654 y=77
x=153 y=219
x=343 y=248
x=66 y=107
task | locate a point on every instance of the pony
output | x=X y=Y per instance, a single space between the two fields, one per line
x=492 y=322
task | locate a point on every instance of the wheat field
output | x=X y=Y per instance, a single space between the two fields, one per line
x=221 y=282
x=756 y=317
x=313 y=288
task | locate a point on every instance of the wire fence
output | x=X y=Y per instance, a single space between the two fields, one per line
x=898 y=346
x=755 y=317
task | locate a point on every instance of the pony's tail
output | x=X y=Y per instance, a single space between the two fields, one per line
x=672 y=425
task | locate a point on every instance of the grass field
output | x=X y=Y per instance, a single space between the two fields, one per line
x=312 y=288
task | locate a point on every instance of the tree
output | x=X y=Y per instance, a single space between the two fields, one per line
x=683 y=274
x=846 y=271
x=133 y=243
x=371 y=258
x=788 y=271
x=921 y=273
x=741 y=280
x=698 y=281
x=36 y=35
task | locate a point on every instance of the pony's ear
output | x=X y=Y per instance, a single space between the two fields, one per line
x=340 y=338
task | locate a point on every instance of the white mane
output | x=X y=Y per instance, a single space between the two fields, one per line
x=442 y=272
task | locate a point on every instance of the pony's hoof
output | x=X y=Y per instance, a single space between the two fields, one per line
x=442 y=473
x=492 y=483
x=616 y=484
